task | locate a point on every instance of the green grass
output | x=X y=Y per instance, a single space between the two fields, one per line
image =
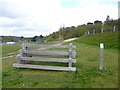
x=86 y=76
x=45 y=43
x=110 y=39
x=10 y=48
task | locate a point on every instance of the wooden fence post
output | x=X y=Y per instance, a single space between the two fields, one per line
x=19 y=61
x=70 y=55
x=18 y=57
x=101 y=56
x=24 y=48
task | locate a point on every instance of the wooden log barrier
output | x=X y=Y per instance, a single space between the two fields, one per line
x=25 y=56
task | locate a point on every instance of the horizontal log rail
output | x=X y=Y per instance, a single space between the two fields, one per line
x=46 y=59
x=48 y=52
x=49 y=46
x=44 y=67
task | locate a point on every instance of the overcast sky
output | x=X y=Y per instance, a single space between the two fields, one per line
x=35 y=17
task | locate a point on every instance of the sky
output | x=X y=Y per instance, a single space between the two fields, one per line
x=42 y=17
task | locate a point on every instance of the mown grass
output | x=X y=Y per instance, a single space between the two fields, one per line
x=10 y=48
x=86 y=76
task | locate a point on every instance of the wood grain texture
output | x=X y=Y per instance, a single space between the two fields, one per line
x=47 y=59
x=49 y=46
x=44 y=67
x=48 y=52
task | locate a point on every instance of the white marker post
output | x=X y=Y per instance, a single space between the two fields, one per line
x=88 y=32
x=93 y=31
x=114 y=29
x=101 y=56
x=102 y=30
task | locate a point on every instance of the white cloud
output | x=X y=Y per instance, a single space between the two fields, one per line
x=6 y=21
x=89 y=11
x=35 y=17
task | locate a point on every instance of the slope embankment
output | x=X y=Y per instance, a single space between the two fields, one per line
x=110 y=39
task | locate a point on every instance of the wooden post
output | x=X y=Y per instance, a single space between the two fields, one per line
x=70 y=55
x=19 y=61
x=24 y=48
x=101 y=56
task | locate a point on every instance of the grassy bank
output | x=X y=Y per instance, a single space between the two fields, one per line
x=110 y=39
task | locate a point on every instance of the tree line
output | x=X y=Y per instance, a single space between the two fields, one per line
x=21 y=39
x=72 y=32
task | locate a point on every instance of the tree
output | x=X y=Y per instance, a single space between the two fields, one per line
x=21 y=38
x=96 y=22
x=34 y=38
x=97 y=26
x=41 y=37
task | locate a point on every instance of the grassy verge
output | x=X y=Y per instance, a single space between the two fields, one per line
x=10 y=48
x=86 y=76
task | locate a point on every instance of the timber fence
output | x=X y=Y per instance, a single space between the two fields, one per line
x=29 y=52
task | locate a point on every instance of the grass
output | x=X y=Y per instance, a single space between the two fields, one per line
x=10 y=48
x=110 y=39
x=45 y=43
x=86 y=76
